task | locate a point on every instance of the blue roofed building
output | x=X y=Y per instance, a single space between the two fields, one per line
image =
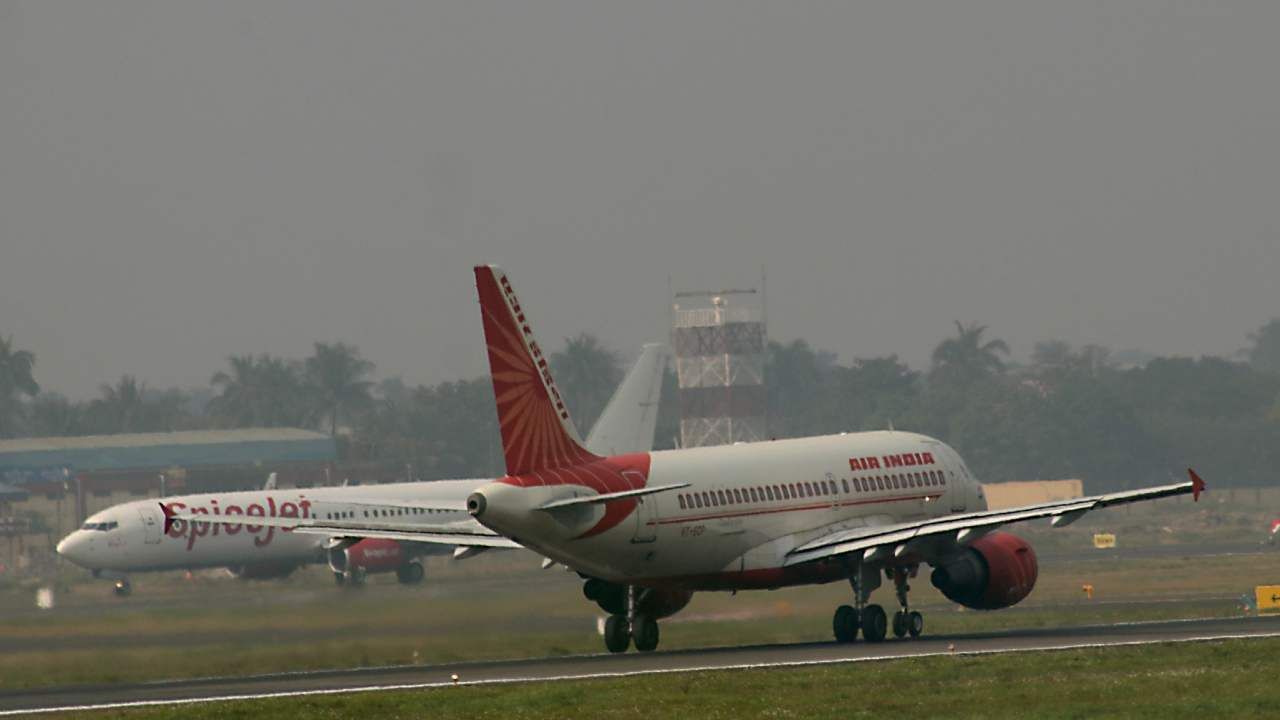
x=166 y=463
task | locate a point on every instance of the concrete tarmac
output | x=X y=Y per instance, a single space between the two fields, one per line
x=632 y=663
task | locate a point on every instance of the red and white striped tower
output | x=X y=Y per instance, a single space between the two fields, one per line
x=719 y=342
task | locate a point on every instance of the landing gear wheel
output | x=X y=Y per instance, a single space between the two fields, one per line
x=645 y=632
x=339 y=579
x=410 y=573
x=899 y=623
x=874 y=623
x=617 y=635
x=844 y=624
x=915 y=623
x=122 y=588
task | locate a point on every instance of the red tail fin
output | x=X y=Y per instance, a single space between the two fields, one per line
x=537 y=433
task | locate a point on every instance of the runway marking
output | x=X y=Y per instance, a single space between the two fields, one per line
x=629 y=673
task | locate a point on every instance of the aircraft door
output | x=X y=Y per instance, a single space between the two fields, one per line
x=150 y=527
x=956 y=493
x=646 y=511
x=958 y=482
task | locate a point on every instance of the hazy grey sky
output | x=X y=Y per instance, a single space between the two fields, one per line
x=180 y=181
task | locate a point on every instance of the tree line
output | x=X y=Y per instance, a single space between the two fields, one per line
x=1068 y=412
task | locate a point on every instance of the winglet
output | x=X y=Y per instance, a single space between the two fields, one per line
x=1197 y=485
x=168 y=517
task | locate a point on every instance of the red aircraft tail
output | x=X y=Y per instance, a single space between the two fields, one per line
x=537 y=433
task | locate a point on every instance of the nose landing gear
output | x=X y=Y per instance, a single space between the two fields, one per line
x=906 y=621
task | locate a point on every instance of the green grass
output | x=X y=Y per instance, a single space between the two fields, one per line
x=1184 y=680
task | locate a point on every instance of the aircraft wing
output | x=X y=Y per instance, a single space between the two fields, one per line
x=399 y=523
x=876 y=542
x=628 y=421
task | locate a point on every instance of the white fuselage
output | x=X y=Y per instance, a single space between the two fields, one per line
x=130 y=537
x=746 y=506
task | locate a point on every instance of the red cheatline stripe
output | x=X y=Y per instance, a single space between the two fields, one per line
x=790 y=509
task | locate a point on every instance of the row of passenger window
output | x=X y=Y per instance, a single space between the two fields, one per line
x=392 y=512
x=822 y=488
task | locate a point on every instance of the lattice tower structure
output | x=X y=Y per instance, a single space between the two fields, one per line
x=719 y=352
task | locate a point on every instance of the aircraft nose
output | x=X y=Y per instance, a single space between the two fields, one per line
x=74 y=547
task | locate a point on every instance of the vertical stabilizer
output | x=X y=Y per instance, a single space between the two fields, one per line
x=537 y=433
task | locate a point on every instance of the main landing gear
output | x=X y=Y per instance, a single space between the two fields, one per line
x=122 y=588
x=871 y=619
x=620 y=630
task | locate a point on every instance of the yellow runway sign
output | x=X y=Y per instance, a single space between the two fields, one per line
x=1268 y=598
x=1104 y=540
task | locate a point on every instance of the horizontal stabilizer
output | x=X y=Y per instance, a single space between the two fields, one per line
x=609 y=497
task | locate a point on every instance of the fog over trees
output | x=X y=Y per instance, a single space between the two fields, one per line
x=1068 y=412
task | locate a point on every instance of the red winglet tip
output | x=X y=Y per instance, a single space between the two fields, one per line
x=1197 y=485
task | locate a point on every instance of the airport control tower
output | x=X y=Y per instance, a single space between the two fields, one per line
x=719 y=341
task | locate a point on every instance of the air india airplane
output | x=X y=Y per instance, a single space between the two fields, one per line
x=129 y=538
x=646 y=530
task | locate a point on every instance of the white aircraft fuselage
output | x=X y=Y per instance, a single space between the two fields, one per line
x=745 y=507
x=130 y=537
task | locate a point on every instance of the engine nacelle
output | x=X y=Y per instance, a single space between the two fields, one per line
x=263 y=571
x=654 y=602
x=373 y=555
x=995 y=571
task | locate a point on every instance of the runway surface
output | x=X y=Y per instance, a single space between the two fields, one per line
x=589 y=666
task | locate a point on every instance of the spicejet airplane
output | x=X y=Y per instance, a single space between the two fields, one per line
x=649 y=529
x=131 y=537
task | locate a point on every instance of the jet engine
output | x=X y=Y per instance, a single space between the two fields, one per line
x=374 y=555
x=655 y=603
x=995 y=571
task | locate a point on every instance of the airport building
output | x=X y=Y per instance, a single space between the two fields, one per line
x=163 y=463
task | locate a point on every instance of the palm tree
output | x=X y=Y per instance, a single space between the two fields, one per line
x=52 y=414
x=119 y=410
x=587 y=373
x=1265 y=353
x=336 y=373
x=237 y=391
x=15 y=379
x=966 y=358
x=262 y=391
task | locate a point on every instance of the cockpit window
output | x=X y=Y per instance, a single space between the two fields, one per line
x=100 y=526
